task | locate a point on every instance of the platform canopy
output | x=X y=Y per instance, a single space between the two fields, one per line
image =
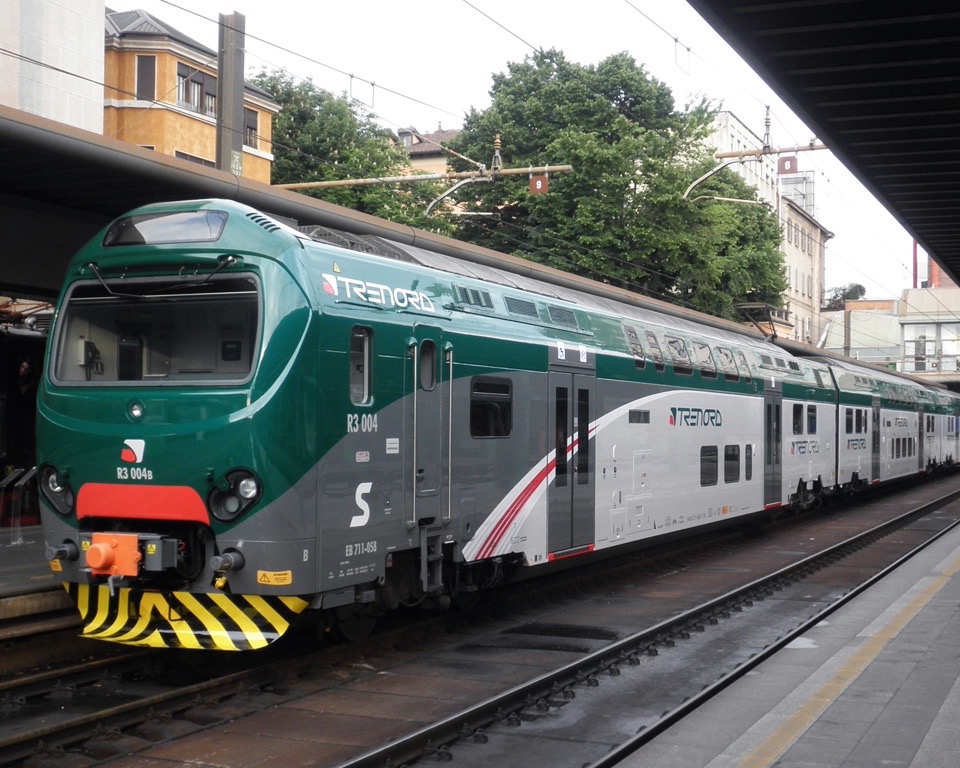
x=879 y=83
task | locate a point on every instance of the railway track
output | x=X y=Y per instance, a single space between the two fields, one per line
x=480 y=686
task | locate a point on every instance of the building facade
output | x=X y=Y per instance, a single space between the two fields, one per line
x=424 y=149
x=804 y=251
x=52 y=60
x=161 y=93
x=804 y=238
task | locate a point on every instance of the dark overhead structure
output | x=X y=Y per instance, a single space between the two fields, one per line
x=880 y=85
x=878 y=82
x=59 y=185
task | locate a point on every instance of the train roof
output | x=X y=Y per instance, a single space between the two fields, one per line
x=510 y=273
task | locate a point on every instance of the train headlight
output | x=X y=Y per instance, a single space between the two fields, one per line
x=239 y=491
x=248 y=488
x=56 y=490
x=53 y=482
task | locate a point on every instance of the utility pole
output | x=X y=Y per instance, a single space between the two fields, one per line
x=230 y=94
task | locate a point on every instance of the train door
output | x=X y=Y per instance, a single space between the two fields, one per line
x=570 y=501
x=875 y=464
x=430 y=414
x=773 y=445
x=921 y=418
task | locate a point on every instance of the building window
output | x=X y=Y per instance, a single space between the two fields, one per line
x=194 y=159
x=146 y=78
x=196 y=90
x=250 y=132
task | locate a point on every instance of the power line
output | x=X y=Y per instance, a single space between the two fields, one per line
x=374 y=85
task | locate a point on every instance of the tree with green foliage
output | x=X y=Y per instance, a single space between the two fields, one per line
x=837 y=296
x=619 y=216
x=321 y=137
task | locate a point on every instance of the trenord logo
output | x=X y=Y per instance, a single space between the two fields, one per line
x=376 y=293
x=695 y=417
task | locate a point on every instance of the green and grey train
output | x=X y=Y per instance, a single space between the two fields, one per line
x=242 y=424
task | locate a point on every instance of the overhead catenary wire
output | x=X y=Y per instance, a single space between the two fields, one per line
x=319 y=63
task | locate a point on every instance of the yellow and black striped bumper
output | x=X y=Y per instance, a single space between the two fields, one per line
x=211 y=621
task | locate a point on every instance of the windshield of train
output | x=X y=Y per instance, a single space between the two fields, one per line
x=152 y=332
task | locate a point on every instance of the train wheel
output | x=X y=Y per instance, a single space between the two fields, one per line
x=352 y=625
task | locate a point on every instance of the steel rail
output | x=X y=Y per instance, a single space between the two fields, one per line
x=622 y=751
x=449 y=729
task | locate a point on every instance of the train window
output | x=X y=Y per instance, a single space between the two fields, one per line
x=428 y=365
x=639 y=417
x=861 y=421
x=811 y=419
x=562 y=435
x=159 y=228
x=583 y=438
x=636 y=348
x=797 y=419
x=899 y=447
x=360 y=365
x=744 y=366
x=731 y=463
x=709 y=465
x=655 y=350
x=849 y=420
x=158 y=331
x=679 y=354
x=704 y=355
x=728 y=364
x=748 y=463
x=491 y=407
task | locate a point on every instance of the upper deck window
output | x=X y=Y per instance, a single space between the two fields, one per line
x=162 y=228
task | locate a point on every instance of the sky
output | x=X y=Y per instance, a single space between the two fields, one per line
x=428 y=63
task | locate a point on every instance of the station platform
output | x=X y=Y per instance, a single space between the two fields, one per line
x=876 y=683
x=23 y=567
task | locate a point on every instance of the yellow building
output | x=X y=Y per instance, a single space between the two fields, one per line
x=161 y=93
